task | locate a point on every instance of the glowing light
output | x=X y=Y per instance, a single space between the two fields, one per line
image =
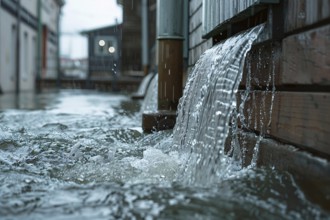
x=101 y=43
x=112 y=49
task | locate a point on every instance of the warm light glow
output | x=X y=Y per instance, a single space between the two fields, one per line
x=101 y=43
x=112 y=49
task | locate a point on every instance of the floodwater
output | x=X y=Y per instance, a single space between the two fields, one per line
x=82 y=155
x=78 y=155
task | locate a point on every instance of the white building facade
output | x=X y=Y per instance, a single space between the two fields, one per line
x=28 y=43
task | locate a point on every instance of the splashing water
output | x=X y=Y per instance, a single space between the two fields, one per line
x=207 y=105
x=77 y=155
x=142 y=90
x=150 y=101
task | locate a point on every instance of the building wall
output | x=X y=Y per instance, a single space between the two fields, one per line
x=131 y=36
x=296 y=65
x=105 y=65
x=8 y=51
x=131 y=50
x=28 y=57
x=28 y=41
x=27 y=65
x=51 y=70
x=197 y=45
x=302 y=112
x=28 y=48
x=49 y=15
x=31 y=6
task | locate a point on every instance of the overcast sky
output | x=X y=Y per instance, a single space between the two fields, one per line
x=79 y=15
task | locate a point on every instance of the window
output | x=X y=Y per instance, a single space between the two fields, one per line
x=106 y=46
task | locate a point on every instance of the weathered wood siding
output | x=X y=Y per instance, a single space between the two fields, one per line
x=217 y=12
x=131 y=36
x=298 y=118
x=287 y=81
x=197 y=45
x=306 y=57
x=303 y=13
x=298 y=69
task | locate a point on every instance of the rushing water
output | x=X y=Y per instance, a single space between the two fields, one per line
x=79 y=155
x=150 y=102
x=206 y=107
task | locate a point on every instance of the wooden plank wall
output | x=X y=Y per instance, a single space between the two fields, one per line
x=298 y=68
x=285 y=96
x=197 y=45
x=303 y=13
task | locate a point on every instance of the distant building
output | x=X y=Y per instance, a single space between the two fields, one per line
x=104 y=52
x=132 y=33
x=28 y=42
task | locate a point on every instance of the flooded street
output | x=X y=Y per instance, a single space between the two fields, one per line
x=236 y=100
x=78 y=155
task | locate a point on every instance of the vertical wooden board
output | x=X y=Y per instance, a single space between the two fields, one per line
x=302 y=119
x=301 y=13
x=317 y=11
x=294 y=14
x=306 y=57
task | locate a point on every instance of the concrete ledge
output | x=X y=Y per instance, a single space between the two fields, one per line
x=158 y=121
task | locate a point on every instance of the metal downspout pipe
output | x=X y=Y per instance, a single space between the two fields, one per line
x=144 y=39
x=18 y=49
x=58 y=78
x=39 y=39
x=0 y=41
x=170 y=65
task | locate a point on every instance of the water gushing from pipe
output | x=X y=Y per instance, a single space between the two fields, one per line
x=206 y=108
